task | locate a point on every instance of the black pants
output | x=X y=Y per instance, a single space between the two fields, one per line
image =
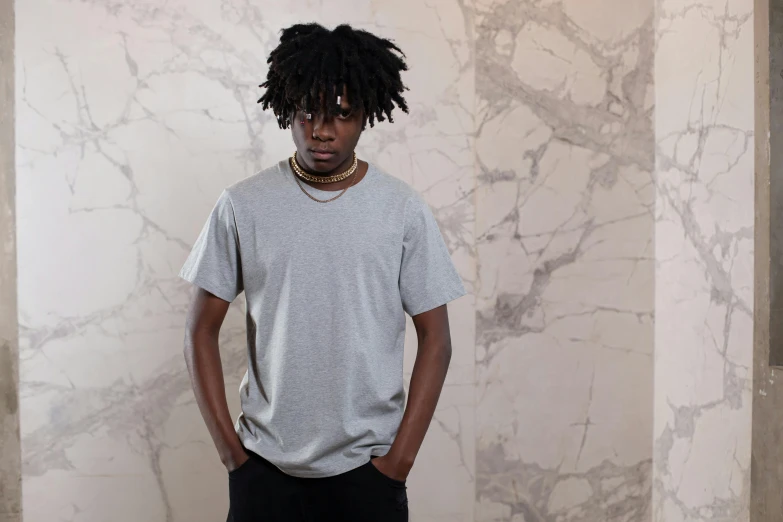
x=260 y=492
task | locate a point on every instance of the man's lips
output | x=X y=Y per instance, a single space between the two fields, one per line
x=322 y=153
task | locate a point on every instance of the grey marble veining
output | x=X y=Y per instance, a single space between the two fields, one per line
x=565 y=253
x=597 y=244
x=704 y=131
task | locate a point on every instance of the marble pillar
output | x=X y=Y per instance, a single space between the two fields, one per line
x=10 y=464
x=704 y=135
x=564 y=241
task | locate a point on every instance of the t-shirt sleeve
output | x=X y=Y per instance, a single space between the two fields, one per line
x=428 y=277
x=215 y=264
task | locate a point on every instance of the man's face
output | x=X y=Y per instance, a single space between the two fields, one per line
x=324 y=143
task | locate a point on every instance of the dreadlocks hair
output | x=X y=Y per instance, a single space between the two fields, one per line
x=312 y=61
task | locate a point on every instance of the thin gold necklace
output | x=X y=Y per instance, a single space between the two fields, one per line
x=292 y=162
x=323 y=179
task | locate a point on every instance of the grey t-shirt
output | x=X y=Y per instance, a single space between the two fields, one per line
x=327 y=288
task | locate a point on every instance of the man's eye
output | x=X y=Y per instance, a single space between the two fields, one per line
x=345 y=113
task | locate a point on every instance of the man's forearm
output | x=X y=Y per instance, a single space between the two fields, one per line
x=429 y=374
x=206 y=375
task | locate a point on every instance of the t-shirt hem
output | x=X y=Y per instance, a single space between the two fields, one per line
x=208 y=286
x=430 y=305
x=318 y=474
x=326 y=474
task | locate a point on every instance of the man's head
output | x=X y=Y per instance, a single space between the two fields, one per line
x=342 y=78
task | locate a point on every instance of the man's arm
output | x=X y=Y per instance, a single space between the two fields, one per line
x=429 y=374
x=202 y=355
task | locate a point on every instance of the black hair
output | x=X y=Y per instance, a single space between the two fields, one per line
x=312 y=61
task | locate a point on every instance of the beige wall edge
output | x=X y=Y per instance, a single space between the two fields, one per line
x=10 y=456
x=766 y=453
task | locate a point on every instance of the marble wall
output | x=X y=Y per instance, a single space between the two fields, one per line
x=564 y=241
x=571 y=211
x=10 y=464
x=704 y=132
x=132 y=118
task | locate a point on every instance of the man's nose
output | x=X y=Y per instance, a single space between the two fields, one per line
x=323 y=127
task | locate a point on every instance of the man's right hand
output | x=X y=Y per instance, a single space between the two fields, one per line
x=234 y=463
x=202 y=355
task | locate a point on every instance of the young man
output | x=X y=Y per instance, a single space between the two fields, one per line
x=331 y=253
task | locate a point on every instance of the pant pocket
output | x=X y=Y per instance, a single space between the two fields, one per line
x=241 y=468
x=240 y=485
x=381 y=474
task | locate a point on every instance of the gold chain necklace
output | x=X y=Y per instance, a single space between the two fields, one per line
x=323 y=179
x=292 y=162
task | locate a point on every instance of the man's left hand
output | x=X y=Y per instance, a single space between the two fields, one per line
x=391 y=467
